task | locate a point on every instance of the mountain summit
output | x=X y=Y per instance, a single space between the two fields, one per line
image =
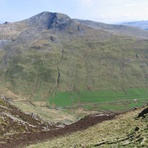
x=49 y=20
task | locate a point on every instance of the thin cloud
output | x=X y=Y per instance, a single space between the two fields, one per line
x=137 y=4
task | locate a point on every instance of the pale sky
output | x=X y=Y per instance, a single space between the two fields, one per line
x=107 y=11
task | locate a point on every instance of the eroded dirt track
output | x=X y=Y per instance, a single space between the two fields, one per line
x=19 y=140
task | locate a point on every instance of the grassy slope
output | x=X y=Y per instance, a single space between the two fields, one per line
x=96 y=66
x=50 y=115
x=64 y=99
x=49 y=65
x=119 y=132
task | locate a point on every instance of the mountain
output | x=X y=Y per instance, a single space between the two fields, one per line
x=62 y=61
x=126 y=29
x=138 y=24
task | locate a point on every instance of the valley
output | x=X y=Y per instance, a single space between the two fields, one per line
x=19 y=129
x=56 y=71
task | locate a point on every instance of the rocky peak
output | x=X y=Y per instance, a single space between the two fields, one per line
x=48 y=20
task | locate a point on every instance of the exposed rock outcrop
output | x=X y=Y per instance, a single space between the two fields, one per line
x=48 y=20
x=143 y=113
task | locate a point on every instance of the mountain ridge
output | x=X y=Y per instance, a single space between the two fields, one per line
x=118 y=28
x=139 y=24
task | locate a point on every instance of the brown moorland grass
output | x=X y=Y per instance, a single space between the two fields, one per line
x=126 y=130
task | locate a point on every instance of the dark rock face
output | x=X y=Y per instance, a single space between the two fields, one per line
x=48 y=20
x=59 y=21
x=143 y=113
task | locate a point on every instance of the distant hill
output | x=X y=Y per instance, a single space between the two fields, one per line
x=57 y=59
x=138 y=24
x=123 y=28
